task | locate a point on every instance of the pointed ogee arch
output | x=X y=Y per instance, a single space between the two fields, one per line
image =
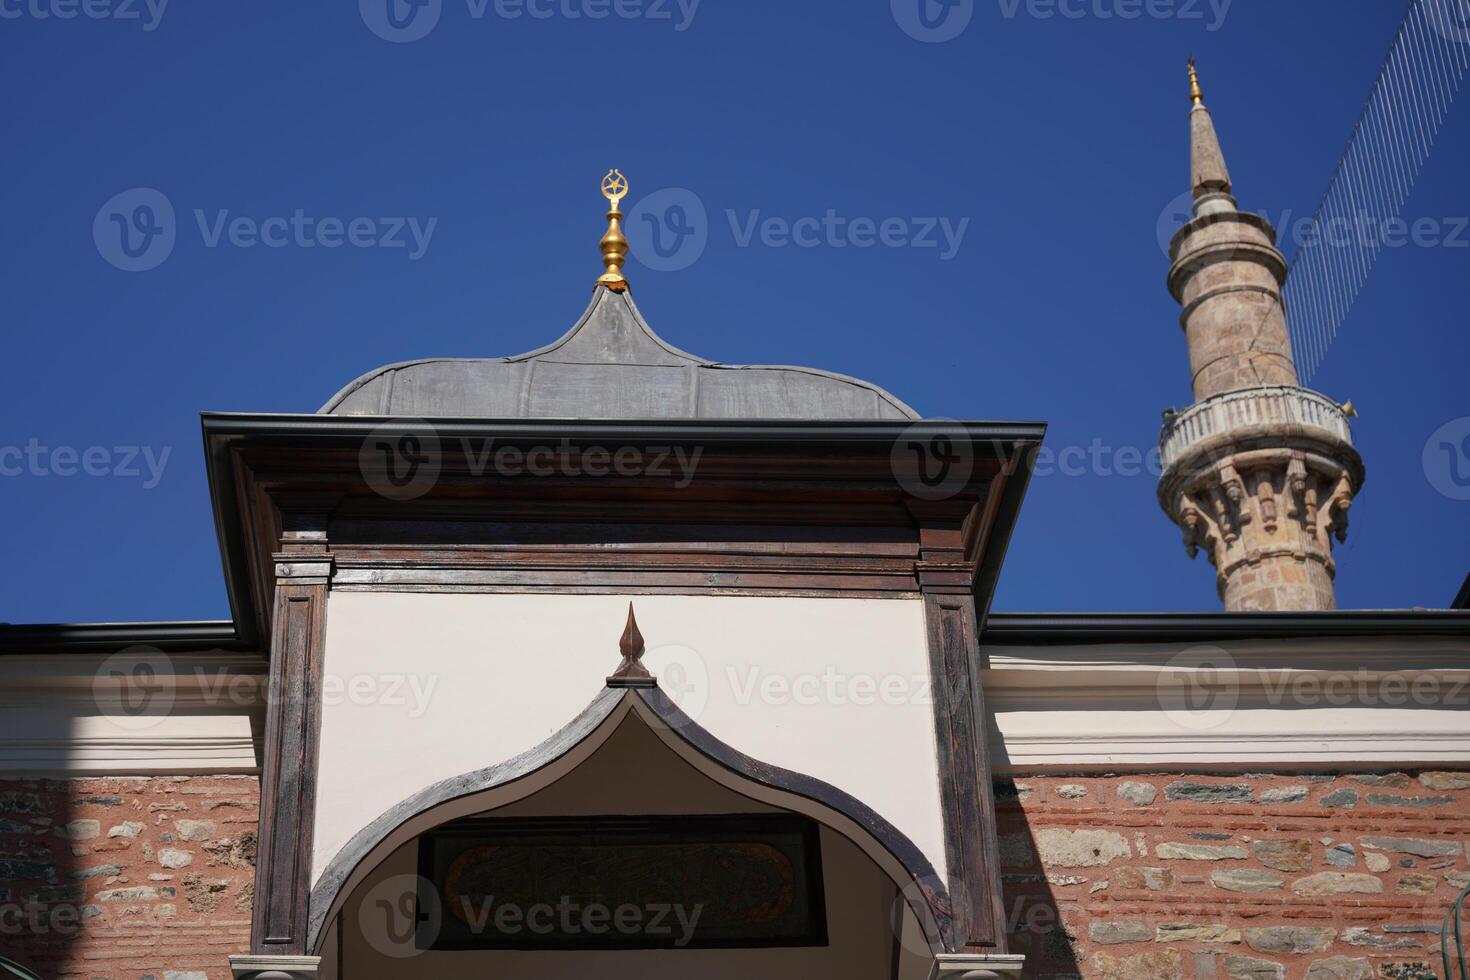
x=914 y=876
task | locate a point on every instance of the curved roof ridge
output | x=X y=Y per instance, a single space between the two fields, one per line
x=610 y=364
x=601 y=295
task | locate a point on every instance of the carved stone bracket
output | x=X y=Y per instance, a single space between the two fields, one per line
x=1259 y=512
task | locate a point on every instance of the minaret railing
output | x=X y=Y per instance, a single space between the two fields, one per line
x=1267 y=407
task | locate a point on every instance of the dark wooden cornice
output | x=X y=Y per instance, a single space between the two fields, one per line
x=784 y=506
x=350 y=430
x=1002 y=629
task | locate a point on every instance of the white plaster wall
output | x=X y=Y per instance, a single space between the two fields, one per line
x=1055 y=708
x=139 y=712
x=1348 y=703
x=422 y=687
x=634 y=772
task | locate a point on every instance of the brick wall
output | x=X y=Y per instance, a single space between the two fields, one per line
x=1258 y=877
x=127 y=878
x=1106 y=877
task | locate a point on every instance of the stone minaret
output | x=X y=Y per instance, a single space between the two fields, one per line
x=1259 y=471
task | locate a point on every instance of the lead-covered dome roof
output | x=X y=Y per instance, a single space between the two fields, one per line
x=611 y=365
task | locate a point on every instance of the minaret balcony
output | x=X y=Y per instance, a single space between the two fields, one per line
x=1261 y=480
x=1249 y=414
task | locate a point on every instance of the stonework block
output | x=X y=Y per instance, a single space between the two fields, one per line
x=103 y=886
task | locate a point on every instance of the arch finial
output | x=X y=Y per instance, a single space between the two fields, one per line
x=631 y=672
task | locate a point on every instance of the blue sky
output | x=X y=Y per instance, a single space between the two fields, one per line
x=1047 y=146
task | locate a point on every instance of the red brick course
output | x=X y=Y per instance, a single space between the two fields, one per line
x=1180 y=877
x=125 y=878
x=1161 y=876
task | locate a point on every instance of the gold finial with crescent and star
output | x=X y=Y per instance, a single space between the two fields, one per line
x=614 y=245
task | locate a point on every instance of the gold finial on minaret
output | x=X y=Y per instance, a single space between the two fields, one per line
x=614 y=245
x=1196 y=94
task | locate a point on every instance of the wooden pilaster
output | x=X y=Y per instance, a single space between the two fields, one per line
x=293 y=722
x=946 y=573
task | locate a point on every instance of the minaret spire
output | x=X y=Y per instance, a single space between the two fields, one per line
x=1209 y=177
x=1259 y=472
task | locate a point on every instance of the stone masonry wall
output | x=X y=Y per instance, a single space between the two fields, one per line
x=146 y=878
x=1252 y=877
x=1155 y=877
